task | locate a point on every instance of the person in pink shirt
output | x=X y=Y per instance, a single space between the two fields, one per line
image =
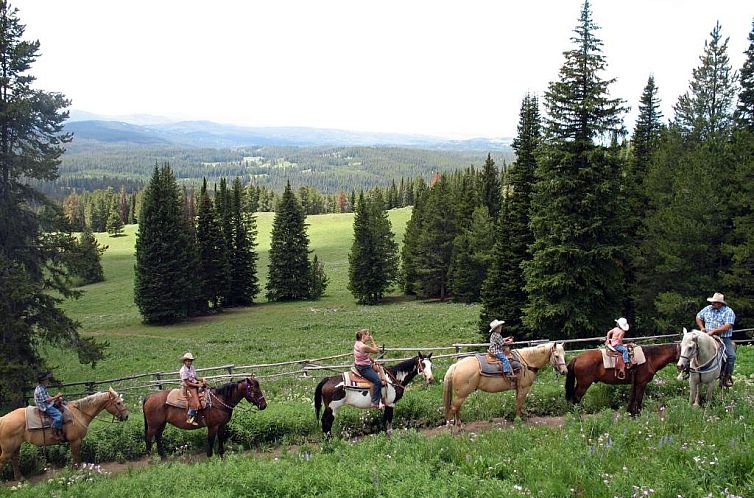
x=615 y=339
x=363 y=363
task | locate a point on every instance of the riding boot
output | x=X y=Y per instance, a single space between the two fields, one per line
x=59 y=435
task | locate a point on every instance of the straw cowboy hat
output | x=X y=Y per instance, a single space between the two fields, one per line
x=495 y=323
x=187 y=356
x=622 y=323
x=717 y=298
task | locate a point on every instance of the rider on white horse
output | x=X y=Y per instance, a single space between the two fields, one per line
x=718 y=319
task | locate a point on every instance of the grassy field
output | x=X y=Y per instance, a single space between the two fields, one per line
x=534 y=461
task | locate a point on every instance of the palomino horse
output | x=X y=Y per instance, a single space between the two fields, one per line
x=701 y=361
x=464 y=377
x=586 y=369
x=223 y=400
x=332 y=392
x=13 y=427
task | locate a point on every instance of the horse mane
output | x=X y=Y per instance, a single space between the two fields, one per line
x=84 y=403
x=404 y=366
x=225 y=390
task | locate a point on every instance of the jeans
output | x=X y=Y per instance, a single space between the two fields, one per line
x=56 y=415
x=506 y=364
x=368 y=372
x=622 y=349
x=191 y=412
x=730 y=354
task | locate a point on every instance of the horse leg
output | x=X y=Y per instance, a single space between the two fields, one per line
x=221 y=441
x=521 y=393
x=75 y=450
x=454 y=413
x=581 y=388
x=694 y=393
x=211 y=433
x=388 y=419
x=16 y=466
x=328 y=417
x=158 y=439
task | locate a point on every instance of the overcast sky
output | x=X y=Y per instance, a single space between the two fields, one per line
x=456 y=69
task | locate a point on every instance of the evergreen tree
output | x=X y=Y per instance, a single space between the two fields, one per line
x=132 y=216
x=745 y=109
x=289 y=275
x=373 y=260
x=214 y=269
x=161 y=283
x=574 y=279
x=33 y=279
x=86 y=263
x=503 y=295
x=491 y=188
x=244 y=284
x=648 y=130
x=471 y=256
x=114 y=223
x=318 y=280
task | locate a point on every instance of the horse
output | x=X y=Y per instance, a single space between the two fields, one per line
x=13 y=427
x=464 y=377
x=222 y=401
x=586 y=369
x=701 y=360
x=332 y=392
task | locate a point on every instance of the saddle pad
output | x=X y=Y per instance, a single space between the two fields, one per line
x=352 y=380
x=491 y=366
x=40 y=420
x=609 y=361
x=177 y=399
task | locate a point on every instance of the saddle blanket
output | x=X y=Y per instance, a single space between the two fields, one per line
x=177 y=399
x=40 y=420
x=609 y=361
x=490 y=366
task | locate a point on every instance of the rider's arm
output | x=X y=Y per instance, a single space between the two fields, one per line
x=700 y=323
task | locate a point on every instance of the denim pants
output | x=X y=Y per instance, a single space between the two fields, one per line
x=368 y=372
x=56 y=415
x=730 y=354
x=506 y=364
x=622 y=349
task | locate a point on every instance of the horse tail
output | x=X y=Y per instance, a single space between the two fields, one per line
x=318 y=396
x=571 y=382
x=144 y=412
x=447 y=389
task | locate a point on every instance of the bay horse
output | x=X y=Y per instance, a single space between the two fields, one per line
x=334 y=395
x=701 y=360
x=464 y=377
x=13 y=430
x=586 y=369
x=215 y=417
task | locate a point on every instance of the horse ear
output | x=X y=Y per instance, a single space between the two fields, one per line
x=429 y=355
x=685 y=331
x=419 y=354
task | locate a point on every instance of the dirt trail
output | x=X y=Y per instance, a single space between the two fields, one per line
x=143 y=462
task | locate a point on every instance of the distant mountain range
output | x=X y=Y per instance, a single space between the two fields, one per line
x=91 y=129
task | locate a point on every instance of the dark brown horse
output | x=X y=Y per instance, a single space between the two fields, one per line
x=223 y=400
x=586 y=369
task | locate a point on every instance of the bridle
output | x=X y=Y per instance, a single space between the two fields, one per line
x=112 y=400
x=554 y=360
x=244 y=388
x=420 y=367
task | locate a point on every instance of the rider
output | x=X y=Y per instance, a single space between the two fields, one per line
x=499 y=346
x=363 y=364
x=615 y=339
x=51 y=405
x=718 y=319
x=191 y=385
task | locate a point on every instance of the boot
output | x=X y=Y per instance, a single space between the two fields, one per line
x=59 y=435
x=728 y=380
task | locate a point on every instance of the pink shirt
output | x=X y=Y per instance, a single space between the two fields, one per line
x=188 y=374
x=359 y=356
x=616 y=336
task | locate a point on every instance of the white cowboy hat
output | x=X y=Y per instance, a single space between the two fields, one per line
x=717 y=298
x=495 y=324
x=622 y=323
x=187 y=356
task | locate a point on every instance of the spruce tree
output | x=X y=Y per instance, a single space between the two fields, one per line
x=471 y=256
x=318 y=279
x=87 y=265
x=114 y=223
x=214 y=269
x=574 y=279
x=289 y=274
x=745 y=108
x=160 y=282
x=244 y=284
x=503 y=295
x=491 y=188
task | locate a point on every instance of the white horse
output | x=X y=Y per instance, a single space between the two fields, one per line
x=701 y=361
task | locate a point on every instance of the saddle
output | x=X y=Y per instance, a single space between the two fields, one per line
x=177 y=398
x=352 y=379
x=491 y=366
x=614 y=359
x=36 y=419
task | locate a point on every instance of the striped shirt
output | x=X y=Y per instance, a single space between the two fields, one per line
x=713 y=318
x=40 y=398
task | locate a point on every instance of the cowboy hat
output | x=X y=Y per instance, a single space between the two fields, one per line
x=187 y=356
x=43 y=376
x=495 y=323
x=717 y=298
x=622 y=323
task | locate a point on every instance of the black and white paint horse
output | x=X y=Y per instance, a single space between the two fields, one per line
x=333 y=393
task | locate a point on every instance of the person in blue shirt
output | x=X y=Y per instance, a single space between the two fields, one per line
x=49 y=404
x=718 y=319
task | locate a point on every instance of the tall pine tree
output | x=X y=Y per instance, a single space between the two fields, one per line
x=244 y=284
x=490 y=187
x=214 y=267
x=574 y=279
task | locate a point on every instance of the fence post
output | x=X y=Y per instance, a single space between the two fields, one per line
x=91 y=387
x=158 y=377
x=229 y=368
x=458 y=351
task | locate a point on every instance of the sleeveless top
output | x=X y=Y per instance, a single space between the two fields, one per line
x=613 y=341
x=360 y=358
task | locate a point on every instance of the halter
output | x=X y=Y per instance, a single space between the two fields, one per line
x=709 y=366
x=553 y=354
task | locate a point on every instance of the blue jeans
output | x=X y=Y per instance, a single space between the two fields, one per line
x=56 y=415
x=622 y=349
x=368 y=372
x=730 y=354
x=506 y=364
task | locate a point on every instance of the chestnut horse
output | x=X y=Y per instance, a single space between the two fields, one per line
x=13 y=427
x=586 y=369
x=223 y=400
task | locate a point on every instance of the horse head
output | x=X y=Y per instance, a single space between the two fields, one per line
x=115 y=405
x=557 y=358
x=249 y=388
x=689 y=349
x=424 y=367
